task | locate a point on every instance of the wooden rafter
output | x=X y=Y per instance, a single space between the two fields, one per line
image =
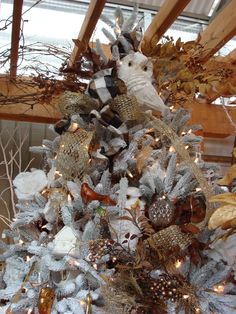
x=15 y=37
x=219 y=32
x=232 y=56
x=211 y=117
x=81 y=43
x=168 y=13
x=214 y=158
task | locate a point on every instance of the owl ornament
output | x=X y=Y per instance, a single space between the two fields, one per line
x=136 y=71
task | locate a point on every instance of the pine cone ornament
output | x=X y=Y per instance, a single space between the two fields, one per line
x=161 y=212
x=73 y=157
x=126 y=106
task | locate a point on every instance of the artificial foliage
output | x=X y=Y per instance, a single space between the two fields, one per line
x=117 y=220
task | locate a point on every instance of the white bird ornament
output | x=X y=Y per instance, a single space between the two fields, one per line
x=136 y=71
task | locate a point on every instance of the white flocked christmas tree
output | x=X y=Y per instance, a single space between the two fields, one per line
x=117 y=220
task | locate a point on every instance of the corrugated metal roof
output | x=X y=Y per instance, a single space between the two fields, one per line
x=199 y=7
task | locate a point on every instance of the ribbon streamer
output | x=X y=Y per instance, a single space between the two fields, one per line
x=163 y=128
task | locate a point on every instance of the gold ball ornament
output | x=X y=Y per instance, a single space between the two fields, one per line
x=161 y=212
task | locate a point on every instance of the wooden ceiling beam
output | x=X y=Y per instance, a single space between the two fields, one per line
x=231 y=57
x=92 y=16
x=212 y=117
x=218 y=159
x=218 y=33
x=15 y=37
x=168 y=13
x=19 y=111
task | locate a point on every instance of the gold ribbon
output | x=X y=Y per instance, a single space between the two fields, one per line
x=163 y=128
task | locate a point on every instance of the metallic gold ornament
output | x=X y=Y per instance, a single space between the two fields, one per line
x=161 y=212
x=126 y=106
x=89 y=303
x=71 y=103
x=46 y=299
x=73 y=157
x=169 y=239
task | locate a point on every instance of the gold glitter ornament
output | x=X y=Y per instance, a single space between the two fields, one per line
x=100 y=248
x=46 y=299
x=165 y=288
x=126 y=106
x=89 y=303
x=169 y=239
x=75 y=102
x=73 y=157
x=161 y=212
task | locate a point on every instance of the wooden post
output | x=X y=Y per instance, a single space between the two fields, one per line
x=15 y=37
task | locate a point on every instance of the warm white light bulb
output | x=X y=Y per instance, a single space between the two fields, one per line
x=178 y=263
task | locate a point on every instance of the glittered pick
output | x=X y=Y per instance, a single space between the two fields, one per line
x=101 y=211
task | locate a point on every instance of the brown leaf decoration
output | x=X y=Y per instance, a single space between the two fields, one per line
x=229 y=224
x=142 y=157
x=181 y=75
x=126 y=218
x=221 y=216
x=234 y=152
x=229 y=176
x=189 y=228
x=227 y=198
x=145 y=225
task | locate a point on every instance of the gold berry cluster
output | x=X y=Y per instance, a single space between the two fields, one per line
x=100 y=248
x=166 y=288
